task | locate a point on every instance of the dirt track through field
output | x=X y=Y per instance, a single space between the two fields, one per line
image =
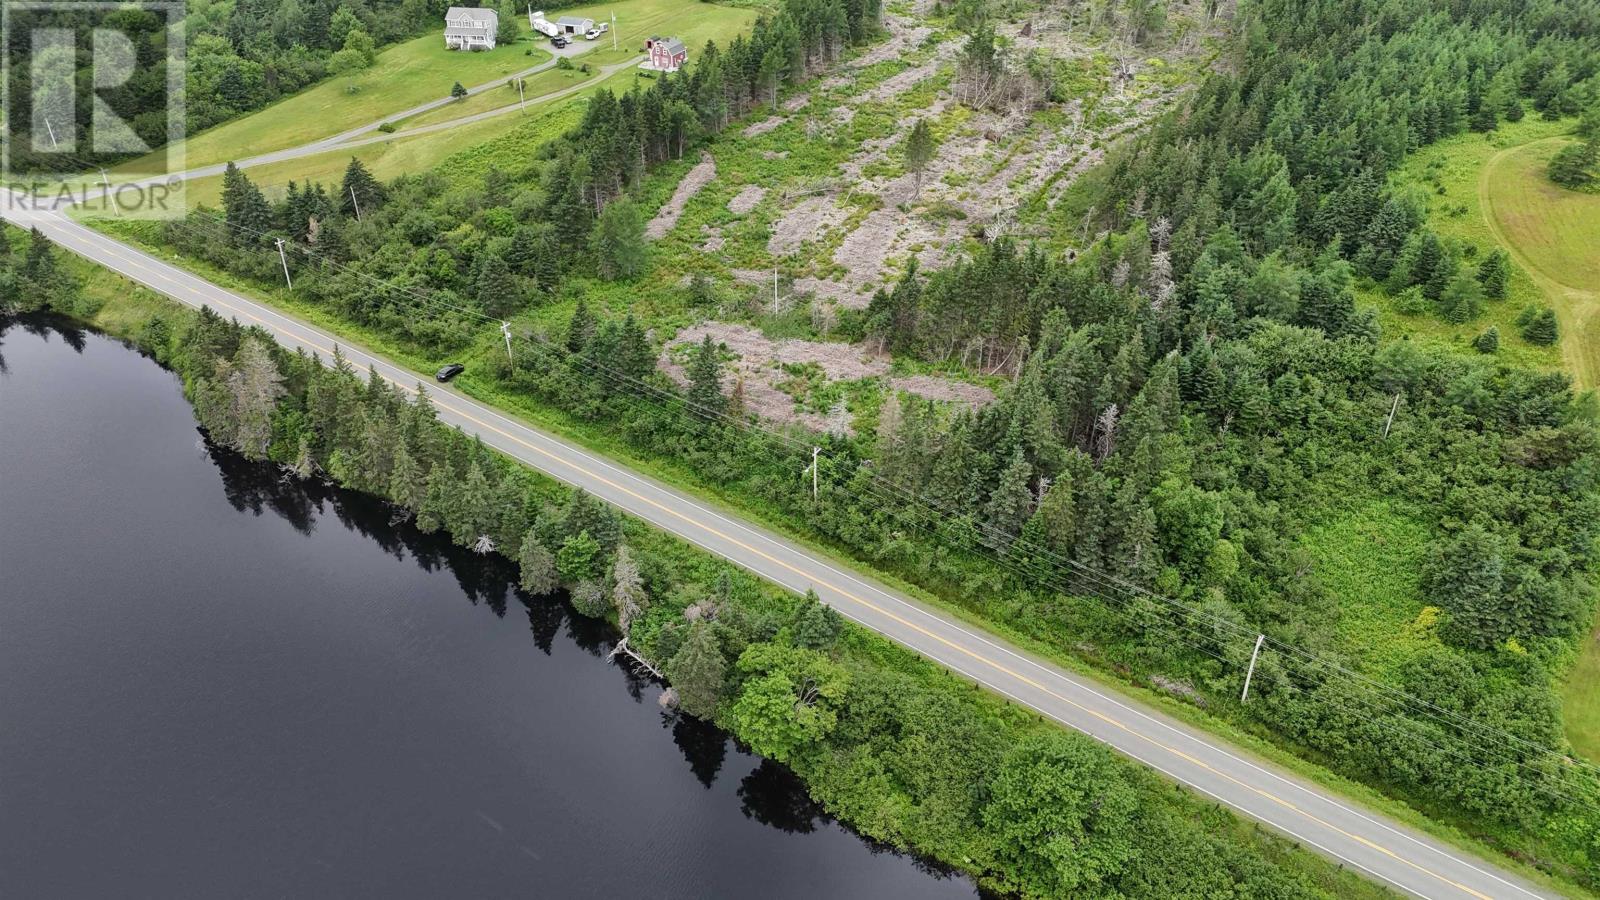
x=1515 y=205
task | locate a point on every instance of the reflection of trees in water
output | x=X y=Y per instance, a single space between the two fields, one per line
x=704 y=745
x=770 y=794
x=773 y=795
x=43 y=326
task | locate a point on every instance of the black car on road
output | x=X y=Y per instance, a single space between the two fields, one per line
x=450 y=371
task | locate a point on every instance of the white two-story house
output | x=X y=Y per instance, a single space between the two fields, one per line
x=468 y=28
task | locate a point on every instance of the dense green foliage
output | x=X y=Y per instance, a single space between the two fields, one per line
x=883 y=739
x=1189 y=394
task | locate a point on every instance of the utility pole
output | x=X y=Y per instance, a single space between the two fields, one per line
x=1387 y=424
x=505 y=329
x=285 y=260
x=355 y=202
x=613 y=30
x=814 y=452
x=52 y=129
x=522 y=99
x=774 y=287
x=1243 y=695
x=106 y=182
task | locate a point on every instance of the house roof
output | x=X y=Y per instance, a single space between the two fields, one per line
x=673 y=46
x=476 y=15
x=574 y=21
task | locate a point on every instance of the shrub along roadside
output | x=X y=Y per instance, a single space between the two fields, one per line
x=887 y=742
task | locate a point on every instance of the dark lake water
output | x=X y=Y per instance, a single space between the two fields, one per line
x=216 y=683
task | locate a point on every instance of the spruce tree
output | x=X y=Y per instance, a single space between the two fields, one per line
x=919 y=152
x=705 y=380
x=1488 y=342
x=633 y=357
x=1572 y=166
x=474 y=504
x=245 y=210
x=406 y=488
x=627 y=588
x=1493 y=274
x=1465 y=576
x=436 y=501
x=581 y=327
x=816 y=625
x=360 y=189
x=1542 y=329
x=1462 y=300
x=256 y=386
x=496 y=289
x=618 y=241
x=699 y=673
x=39 y=273
x=1425 y=265
x=1052 y=527
x=537 y=566
x=1011 y=502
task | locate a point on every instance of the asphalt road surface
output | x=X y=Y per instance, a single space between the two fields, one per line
x=1339 y=829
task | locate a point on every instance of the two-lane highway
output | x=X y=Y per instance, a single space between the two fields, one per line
x=1295 y=807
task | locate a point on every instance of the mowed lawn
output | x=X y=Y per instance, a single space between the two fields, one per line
x=403 y=76
x=535 y=86
x=390 y=159
x=1554 y=234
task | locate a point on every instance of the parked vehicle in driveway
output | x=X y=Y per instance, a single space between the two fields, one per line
x=559 y=40
x=450 y=371
x=598 y=30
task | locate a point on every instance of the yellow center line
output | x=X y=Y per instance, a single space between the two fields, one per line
x=999 y=667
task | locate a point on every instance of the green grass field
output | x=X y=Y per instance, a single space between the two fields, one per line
x=1553 y=234
x=1447 y=177
x=390 y=159
x=535 y=86
x=1370 y=557
x=404 y=76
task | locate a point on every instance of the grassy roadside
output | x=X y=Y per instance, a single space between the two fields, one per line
x=600 y=440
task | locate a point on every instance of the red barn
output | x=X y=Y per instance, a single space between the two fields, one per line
x=666 y=54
